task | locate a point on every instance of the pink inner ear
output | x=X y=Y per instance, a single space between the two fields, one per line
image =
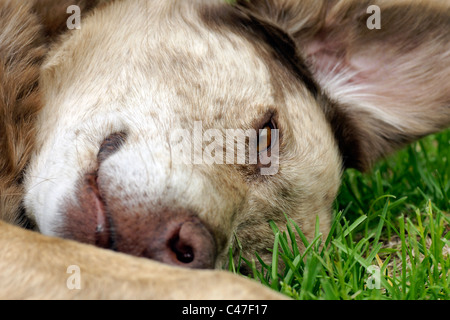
x=393 y=84
x=330 y=61
x=365 y=66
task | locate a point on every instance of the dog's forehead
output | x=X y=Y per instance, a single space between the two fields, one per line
x=209 y=72
x=172 y=63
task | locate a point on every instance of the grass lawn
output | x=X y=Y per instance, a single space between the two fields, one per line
x=390 y=238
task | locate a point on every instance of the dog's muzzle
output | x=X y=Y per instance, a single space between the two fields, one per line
x=174 y=236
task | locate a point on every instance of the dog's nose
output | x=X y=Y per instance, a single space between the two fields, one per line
x=182 y=239
x=174 y=237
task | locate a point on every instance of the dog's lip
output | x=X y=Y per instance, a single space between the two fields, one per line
x=96 y=206
x=87 y=216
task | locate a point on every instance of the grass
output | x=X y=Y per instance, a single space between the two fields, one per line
x=389 y=240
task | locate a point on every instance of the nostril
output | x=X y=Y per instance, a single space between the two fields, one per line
x=110 y=145
x=190 y=245
x=183 y=252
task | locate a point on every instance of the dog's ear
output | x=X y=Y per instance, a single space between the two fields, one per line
x=26 y=31
x=384 y=64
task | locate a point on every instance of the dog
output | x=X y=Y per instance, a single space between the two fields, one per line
x=114 y=134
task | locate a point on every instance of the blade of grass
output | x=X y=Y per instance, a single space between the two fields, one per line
x=275 y=284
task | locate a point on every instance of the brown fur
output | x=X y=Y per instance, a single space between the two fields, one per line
x=32 y=26
x=21 y=53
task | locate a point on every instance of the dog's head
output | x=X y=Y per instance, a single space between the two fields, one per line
x=170 y=128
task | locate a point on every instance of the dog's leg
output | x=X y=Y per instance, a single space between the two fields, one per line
x=34 y=266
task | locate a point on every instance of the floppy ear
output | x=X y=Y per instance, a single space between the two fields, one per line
x=388 y=86
x=26 y=31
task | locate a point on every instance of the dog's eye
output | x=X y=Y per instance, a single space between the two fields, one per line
x=265 y=136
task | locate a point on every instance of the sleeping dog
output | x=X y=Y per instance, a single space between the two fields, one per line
x=170 y=129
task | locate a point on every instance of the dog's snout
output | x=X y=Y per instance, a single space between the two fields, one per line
x=101 y=215
x=172 y=236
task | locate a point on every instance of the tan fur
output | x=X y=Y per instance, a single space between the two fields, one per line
x=147 y=67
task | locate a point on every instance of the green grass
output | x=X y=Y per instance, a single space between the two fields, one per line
x=386 y=242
